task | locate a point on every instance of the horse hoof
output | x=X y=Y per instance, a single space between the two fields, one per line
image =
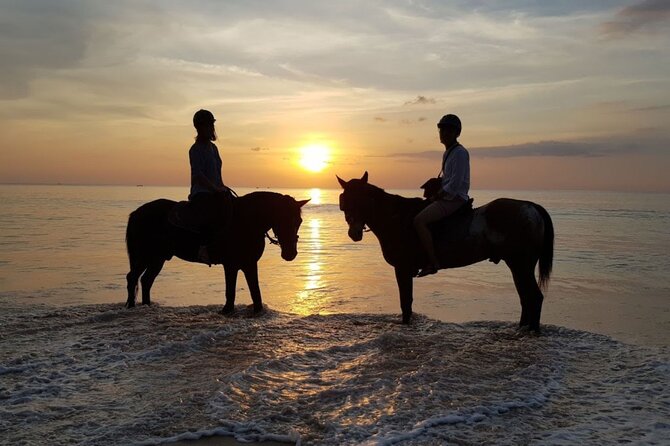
x=527 y=330
x=130 y=304
x=227 y=310
x=406 y=319
x=257 y=309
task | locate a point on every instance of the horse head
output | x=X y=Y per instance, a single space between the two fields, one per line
x=286 y=224
x=355 y=202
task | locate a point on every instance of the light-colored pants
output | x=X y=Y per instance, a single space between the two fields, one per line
x=437 y=210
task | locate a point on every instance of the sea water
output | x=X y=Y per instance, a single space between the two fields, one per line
x=328 y=362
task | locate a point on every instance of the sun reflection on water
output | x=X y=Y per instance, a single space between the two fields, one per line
x=315 y=196
x=309 y=300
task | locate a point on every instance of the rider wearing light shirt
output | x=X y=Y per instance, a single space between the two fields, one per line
x=453 y=193
x=456 y=173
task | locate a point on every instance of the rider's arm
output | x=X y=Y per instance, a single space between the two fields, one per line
x=198 y=176
x=456 y=169
x=202 y=180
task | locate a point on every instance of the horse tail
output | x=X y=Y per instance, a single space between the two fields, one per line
x=547 y=250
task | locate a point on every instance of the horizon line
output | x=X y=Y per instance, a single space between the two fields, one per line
x=329 y=188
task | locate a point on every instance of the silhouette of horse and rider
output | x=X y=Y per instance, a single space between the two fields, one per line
x=417 y=236
x=213 y=226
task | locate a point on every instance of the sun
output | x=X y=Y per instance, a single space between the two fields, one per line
x=314 y=157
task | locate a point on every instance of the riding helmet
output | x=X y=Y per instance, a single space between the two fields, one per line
x=451 y=121
x=203 y=118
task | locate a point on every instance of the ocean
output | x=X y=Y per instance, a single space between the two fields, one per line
x=328 y=362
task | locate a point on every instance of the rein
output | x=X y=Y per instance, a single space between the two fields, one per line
x=273 y=240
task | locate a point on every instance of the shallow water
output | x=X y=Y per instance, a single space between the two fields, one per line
x=328 y=362
x=64 y=245
x=101 y=374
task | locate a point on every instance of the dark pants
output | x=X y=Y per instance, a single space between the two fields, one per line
x=211 y=213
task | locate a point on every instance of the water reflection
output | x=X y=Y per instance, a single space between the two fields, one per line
x=315 y=196
x=310 y=299
x=314 y=226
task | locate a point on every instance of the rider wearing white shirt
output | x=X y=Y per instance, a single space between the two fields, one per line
x=456 y=172
x=453 y=193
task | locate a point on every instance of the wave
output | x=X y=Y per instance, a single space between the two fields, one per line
x=101 y=374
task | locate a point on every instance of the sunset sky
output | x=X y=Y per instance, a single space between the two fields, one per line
x=553 y=94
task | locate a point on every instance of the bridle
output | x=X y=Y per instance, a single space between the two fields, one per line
x=365 y=226
x=273 y=240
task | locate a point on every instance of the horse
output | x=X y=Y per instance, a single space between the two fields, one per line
x=520 y=233
x=152 y=239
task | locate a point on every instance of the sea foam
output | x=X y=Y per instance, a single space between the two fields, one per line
x=102 y=374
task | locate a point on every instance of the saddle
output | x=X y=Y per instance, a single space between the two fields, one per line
x=456 y=226
x=182 y=216
x=203 y=217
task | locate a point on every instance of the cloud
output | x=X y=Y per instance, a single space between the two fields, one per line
x=427 y=154
x=653 y=108
x=37 y=37
x=258 y=149
x=445 y=47
x=421 y=100
x=403 y=121
x=645 y=14
x=586 y=149
x=166 y=58
x=407 y=121
x=545 y=148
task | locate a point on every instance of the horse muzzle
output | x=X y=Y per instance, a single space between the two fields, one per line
x=289 y=254
x=356 y=232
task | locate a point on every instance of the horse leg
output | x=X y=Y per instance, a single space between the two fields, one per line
x=148 y=278
x=230 y=273
x=404 y=279
x=521 y=291
x=131 y=279
x=530 y=295
x=537 y=298
x=251 y=273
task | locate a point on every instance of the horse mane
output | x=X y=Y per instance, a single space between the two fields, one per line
x=397 y=202
x=260 y=195
x=265 y=197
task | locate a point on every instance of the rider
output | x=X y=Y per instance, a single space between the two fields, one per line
x=209 y=197
x=453 y=193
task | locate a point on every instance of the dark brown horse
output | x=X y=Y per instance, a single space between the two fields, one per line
x=519 y=232
x=152 y=240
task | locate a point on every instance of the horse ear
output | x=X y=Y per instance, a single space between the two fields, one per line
x=364 y=178
x=342 y=182
x=301 y=203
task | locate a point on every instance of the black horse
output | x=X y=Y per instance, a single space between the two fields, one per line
x=519 y=232
x=152 y=239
